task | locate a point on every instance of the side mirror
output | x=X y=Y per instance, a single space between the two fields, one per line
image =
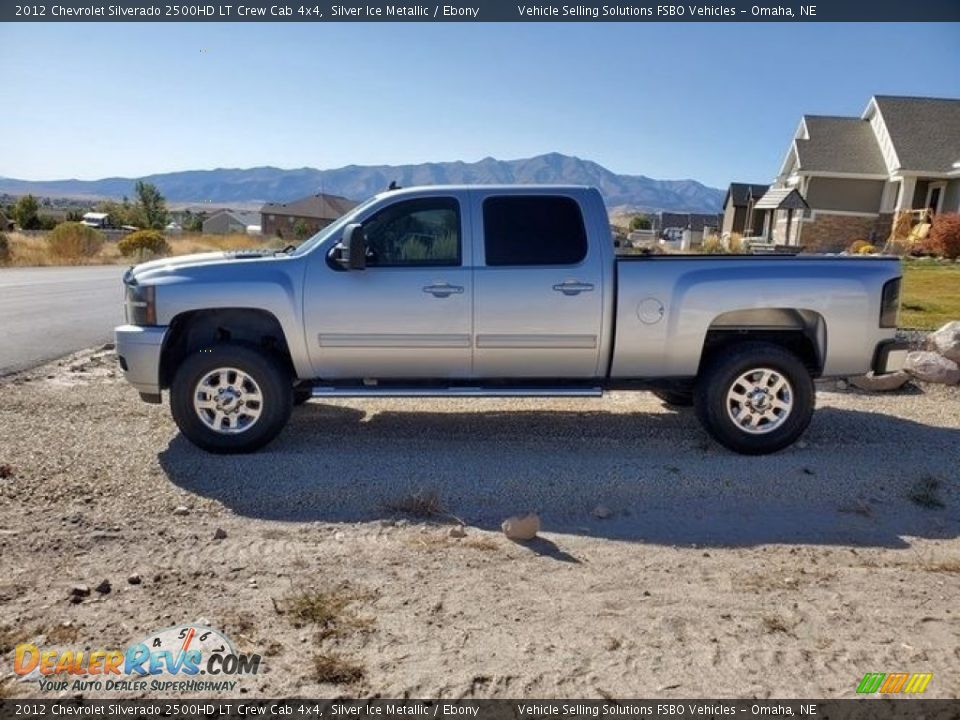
x=353 y=248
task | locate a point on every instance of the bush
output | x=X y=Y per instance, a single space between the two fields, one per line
x=945 y=235
x=4 y=249
x=143 y=243
x=73 y=241
x=867 y=249
x=736 y=245
x=713 y=245
x=857 y=245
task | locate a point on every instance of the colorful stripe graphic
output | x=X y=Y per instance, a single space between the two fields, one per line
x=891 y=683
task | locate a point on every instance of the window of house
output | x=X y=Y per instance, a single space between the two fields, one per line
x=421 y=232
x=533 y=230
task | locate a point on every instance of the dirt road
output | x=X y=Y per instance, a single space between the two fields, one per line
x=714 y=575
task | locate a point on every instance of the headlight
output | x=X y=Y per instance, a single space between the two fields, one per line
x=890 y=303
x=141 y=305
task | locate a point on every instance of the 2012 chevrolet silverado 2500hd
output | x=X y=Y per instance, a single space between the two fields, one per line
x=498 y=291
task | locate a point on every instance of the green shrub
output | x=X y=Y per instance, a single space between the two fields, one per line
x=73 y=241
x=144 y=243
x=4 y=249
x=867 y=249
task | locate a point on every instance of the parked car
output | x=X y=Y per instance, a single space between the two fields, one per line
x=498 y=291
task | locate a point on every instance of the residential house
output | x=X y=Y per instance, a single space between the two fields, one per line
x=223 y=222
x=739 y=210
x=856 y=173
x=302 y=218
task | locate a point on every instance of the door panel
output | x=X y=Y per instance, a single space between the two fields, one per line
x=535 y=320
x=410 y=317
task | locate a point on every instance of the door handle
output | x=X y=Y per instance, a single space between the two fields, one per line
x=442 y=290
x=572 y=287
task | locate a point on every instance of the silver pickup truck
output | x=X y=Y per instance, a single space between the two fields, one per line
x=498 y=291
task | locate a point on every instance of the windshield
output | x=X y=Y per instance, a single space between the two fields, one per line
x=332 y=229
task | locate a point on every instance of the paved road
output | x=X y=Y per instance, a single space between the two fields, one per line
x=49 y=312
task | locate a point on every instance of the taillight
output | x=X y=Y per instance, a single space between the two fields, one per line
x=890 y=303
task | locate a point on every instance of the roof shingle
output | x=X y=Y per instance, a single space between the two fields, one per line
x=841 y=145
x=925 y=132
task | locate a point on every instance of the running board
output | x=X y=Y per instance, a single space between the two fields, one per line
x=495 y=392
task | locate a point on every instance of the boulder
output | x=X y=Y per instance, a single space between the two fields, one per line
x=932 y=367
x=881 y=383
x=946 y=341
x=521 y=527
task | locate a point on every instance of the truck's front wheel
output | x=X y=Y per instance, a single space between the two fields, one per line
x=231 y=398
x=755 y=398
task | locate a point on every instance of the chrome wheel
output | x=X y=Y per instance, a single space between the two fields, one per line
x=228 y=401
x=760 y=400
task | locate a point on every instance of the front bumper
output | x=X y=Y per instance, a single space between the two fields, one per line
x=139 y=350
x=889 y=356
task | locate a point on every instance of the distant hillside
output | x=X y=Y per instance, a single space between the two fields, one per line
x=269 y=184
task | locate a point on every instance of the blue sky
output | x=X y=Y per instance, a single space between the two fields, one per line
x=714 y=102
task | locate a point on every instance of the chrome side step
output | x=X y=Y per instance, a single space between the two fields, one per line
x=495 y=392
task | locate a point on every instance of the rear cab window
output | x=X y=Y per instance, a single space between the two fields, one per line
x=522 y=230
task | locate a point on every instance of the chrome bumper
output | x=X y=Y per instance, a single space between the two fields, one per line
x=139 y=350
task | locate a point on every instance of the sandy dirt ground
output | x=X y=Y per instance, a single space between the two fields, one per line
x=704 y=574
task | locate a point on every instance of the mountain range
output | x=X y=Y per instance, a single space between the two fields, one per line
x=228 y=186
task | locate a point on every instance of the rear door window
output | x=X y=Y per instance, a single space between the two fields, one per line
x=533 y=230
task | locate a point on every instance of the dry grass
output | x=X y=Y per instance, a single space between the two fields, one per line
x=775 y=624
x=33 y=251
x=445 y=542
x=329 y=611
x=336 y=670
x=421 y=504
x=63 y=634
x=926 y=493
x=10 y=637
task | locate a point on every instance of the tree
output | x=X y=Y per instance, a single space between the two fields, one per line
x=25 y=213
x=151 y=205
x=640 y=222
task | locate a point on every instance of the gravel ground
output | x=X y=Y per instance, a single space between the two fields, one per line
x=715 y=575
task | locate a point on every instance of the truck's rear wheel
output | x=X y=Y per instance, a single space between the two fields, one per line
x=231 y=398
x=755 y=398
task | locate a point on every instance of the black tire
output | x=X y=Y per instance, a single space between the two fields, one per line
x=677 y=398
x=264 y=369
x=301 y=395
x=726 y=369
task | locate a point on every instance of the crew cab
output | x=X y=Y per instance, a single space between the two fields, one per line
x=499 y=291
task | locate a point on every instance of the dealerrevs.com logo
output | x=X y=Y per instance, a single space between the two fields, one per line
x=185 y=658
x=893 y=683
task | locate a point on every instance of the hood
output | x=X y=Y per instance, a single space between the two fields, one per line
x=171 y=264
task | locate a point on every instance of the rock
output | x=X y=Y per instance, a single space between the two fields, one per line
x=219 y=534
x=946 y=341
x=881 y=383
x=181 y=510
x=521 y=527
x=457 y=531
x=253 y=584
x=932 y=367
x=80 y=591
x=134 y=579
x=602 y=512
x=104 y=587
